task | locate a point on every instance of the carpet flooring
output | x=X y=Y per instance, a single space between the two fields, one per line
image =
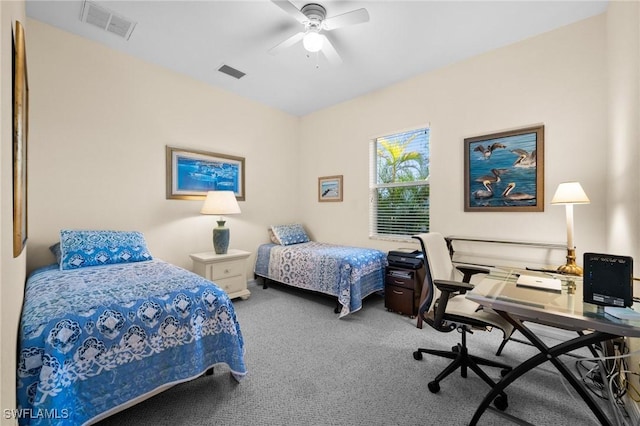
x=307 y=367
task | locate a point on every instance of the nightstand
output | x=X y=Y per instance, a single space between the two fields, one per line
x=228 y=271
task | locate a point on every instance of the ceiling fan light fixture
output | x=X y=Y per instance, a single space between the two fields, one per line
x=312 y=41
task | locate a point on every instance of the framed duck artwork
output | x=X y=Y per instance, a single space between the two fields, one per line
x=505 y=171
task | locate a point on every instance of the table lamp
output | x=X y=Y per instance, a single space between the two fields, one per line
x=570 y=193
x=220 y=202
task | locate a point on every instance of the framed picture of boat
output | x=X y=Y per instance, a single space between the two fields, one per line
x=192 y=173
x=505 y=171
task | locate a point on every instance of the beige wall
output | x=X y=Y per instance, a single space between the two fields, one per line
x=101 y=121
x=12 y=271
x=558 y=78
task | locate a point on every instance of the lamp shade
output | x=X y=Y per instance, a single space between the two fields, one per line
x=220 y=202
x=570 y=193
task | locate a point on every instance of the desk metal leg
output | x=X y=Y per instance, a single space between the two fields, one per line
x=547 y=354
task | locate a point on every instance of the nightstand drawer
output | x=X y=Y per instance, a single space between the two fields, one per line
x=231 y=285
x=226 y=269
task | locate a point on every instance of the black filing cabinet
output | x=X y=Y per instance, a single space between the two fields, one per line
x=402 y=289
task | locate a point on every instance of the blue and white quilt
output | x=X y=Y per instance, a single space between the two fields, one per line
x=348 y=273
x=94 y=339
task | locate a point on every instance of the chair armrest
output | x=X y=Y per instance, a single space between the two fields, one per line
x=469 y=271
x=447 y=290
x=447 y=286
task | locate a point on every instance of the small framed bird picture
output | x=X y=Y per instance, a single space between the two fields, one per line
x=505 y=171
x=330 y=188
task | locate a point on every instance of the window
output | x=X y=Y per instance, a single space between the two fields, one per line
x=399 y=185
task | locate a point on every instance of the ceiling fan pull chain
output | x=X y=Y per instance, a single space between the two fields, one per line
x=315 y=55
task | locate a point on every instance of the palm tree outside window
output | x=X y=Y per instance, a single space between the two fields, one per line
x=399 y=185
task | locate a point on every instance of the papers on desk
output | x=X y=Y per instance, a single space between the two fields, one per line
x=622 y=313
x=540 y=283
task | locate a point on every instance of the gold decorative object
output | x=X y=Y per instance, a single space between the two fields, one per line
x=570 y=268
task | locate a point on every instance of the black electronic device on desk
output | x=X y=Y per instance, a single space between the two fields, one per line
x=403 y=281
x=608 y=280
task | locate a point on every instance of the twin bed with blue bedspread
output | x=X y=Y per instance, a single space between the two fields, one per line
x=348 y=273
x=108 y=326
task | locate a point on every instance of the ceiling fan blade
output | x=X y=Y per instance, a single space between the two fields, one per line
x=357 y=16
x=330 y=52
x=291 y=10
x=287 y=43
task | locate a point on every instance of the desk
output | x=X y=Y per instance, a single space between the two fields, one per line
x=517 y=305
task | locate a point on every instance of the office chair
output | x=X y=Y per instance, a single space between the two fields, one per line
x=442 y=268
x=445 y=308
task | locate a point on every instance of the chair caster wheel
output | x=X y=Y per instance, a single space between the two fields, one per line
x=417 y=355
x=434 y=387
x=504 y=372
x=501 y=402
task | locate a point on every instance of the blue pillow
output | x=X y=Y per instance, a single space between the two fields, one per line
x=290 y=234
x=79 y=249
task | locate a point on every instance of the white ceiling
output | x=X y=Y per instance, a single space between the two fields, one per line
x=402 y=39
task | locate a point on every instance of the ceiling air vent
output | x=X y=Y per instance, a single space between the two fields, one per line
x=107 y=20
x=226 y=69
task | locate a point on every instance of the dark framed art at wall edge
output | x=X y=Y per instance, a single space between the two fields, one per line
x=504 y=171
x=20 y=136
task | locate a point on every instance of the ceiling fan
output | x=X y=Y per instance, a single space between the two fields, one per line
x=314 y=18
